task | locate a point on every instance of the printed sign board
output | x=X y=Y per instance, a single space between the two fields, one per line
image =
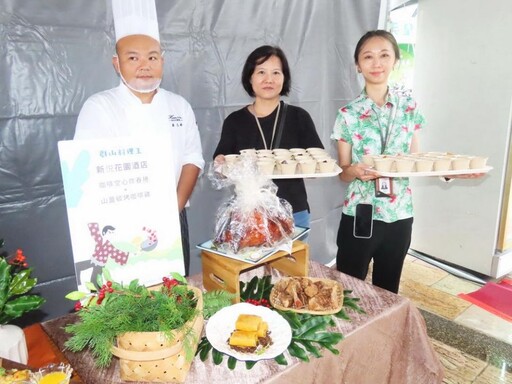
x=122 y=209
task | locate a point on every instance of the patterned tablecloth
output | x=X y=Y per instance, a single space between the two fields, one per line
x=387 y=344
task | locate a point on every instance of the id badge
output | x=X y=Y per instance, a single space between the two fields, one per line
x=363 y=221
x=384 y=187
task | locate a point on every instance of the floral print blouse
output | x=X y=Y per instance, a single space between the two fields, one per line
x=363 y=125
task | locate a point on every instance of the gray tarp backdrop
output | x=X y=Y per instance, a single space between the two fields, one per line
x=56 y=53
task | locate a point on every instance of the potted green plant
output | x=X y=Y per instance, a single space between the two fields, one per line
x=15 y=283
x=140 y=325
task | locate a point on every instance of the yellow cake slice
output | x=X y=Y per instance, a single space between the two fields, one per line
x=247 y=323
x=243 y=339
x=262 y=329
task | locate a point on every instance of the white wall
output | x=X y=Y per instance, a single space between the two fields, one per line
x=463 y=83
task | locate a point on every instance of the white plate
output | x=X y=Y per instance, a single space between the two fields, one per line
x=220 y=326
x=337 y=171
x=435 y=173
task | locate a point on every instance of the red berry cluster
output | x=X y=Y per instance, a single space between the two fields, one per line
x=169 y=283
x=263 y=302
x=19 y=260
x=107 y=287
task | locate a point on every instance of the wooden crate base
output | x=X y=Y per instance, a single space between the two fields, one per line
x=221 y=272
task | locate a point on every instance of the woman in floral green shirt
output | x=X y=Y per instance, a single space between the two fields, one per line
x=379 y=121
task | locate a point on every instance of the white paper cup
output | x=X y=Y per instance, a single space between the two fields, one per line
x=478 y=162
x=301 y=155
x=368 y=160
x=266 y=167
x=326 y=165
x=460 y=163
x=315 y=149
x=425 y=164
x=249 y=151
x=404 y=165
x=280 y=158
x=321 y=156
x=281 y=151
x=264 y=152
x=435 y=154
x=383 y=164
x=230 y=159
x=288 y=167
x=297 y=150
x=442 y=164
x=307 y=166
x=283 y=155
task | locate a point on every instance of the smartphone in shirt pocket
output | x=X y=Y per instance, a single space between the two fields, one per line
x=363 y=221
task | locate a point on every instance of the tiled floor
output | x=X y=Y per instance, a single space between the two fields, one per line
x=474 y=345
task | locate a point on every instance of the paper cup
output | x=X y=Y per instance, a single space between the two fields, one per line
x=368 y=160
x=301 y=155
x=404 y=165
x=442 y=164
x=281 y=151
x=261 y=152
x=383 y=164
x=266 y=167
x=435 y=154
x=280 y=158
x=424 y=164
x=297 y=150
x=307 y=166
x=315 y=149
x=478 y=162
x=230 y=159
x=326 y=165
x=460 y=163
x=288 y=167
x=321 y=156
x=283 y=155
x=249 y=151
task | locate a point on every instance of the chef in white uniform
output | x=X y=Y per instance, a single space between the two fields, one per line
x=139 y=107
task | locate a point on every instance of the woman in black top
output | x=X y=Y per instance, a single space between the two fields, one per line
x=266 y=77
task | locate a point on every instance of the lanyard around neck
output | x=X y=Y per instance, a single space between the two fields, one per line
x=385 y=134
x=273 y=129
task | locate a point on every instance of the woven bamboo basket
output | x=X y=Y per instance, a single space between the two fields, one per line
x=152 y=357
x=336 y=307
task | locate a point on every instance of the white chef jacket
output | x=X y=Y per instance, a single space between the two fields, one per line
x=117 y=112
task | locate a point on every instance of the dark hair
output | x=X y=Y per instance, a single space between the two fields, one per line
x=377 y=33
x=260 y=55
x=107 y=228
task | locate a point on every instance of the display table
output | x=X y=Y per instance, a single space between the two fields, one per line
x=388 y=344
x=220 y=272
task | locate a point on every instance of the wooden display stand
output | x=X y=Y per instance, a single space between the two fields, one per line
x=220 y=272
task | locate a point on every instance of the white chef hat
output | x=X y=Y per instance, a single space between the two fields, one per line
x=135 y=17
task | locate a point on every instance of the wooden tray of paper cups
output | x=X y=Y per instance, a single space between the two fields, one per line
x=335 y=298
x=281 y=163
x=426 y=164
